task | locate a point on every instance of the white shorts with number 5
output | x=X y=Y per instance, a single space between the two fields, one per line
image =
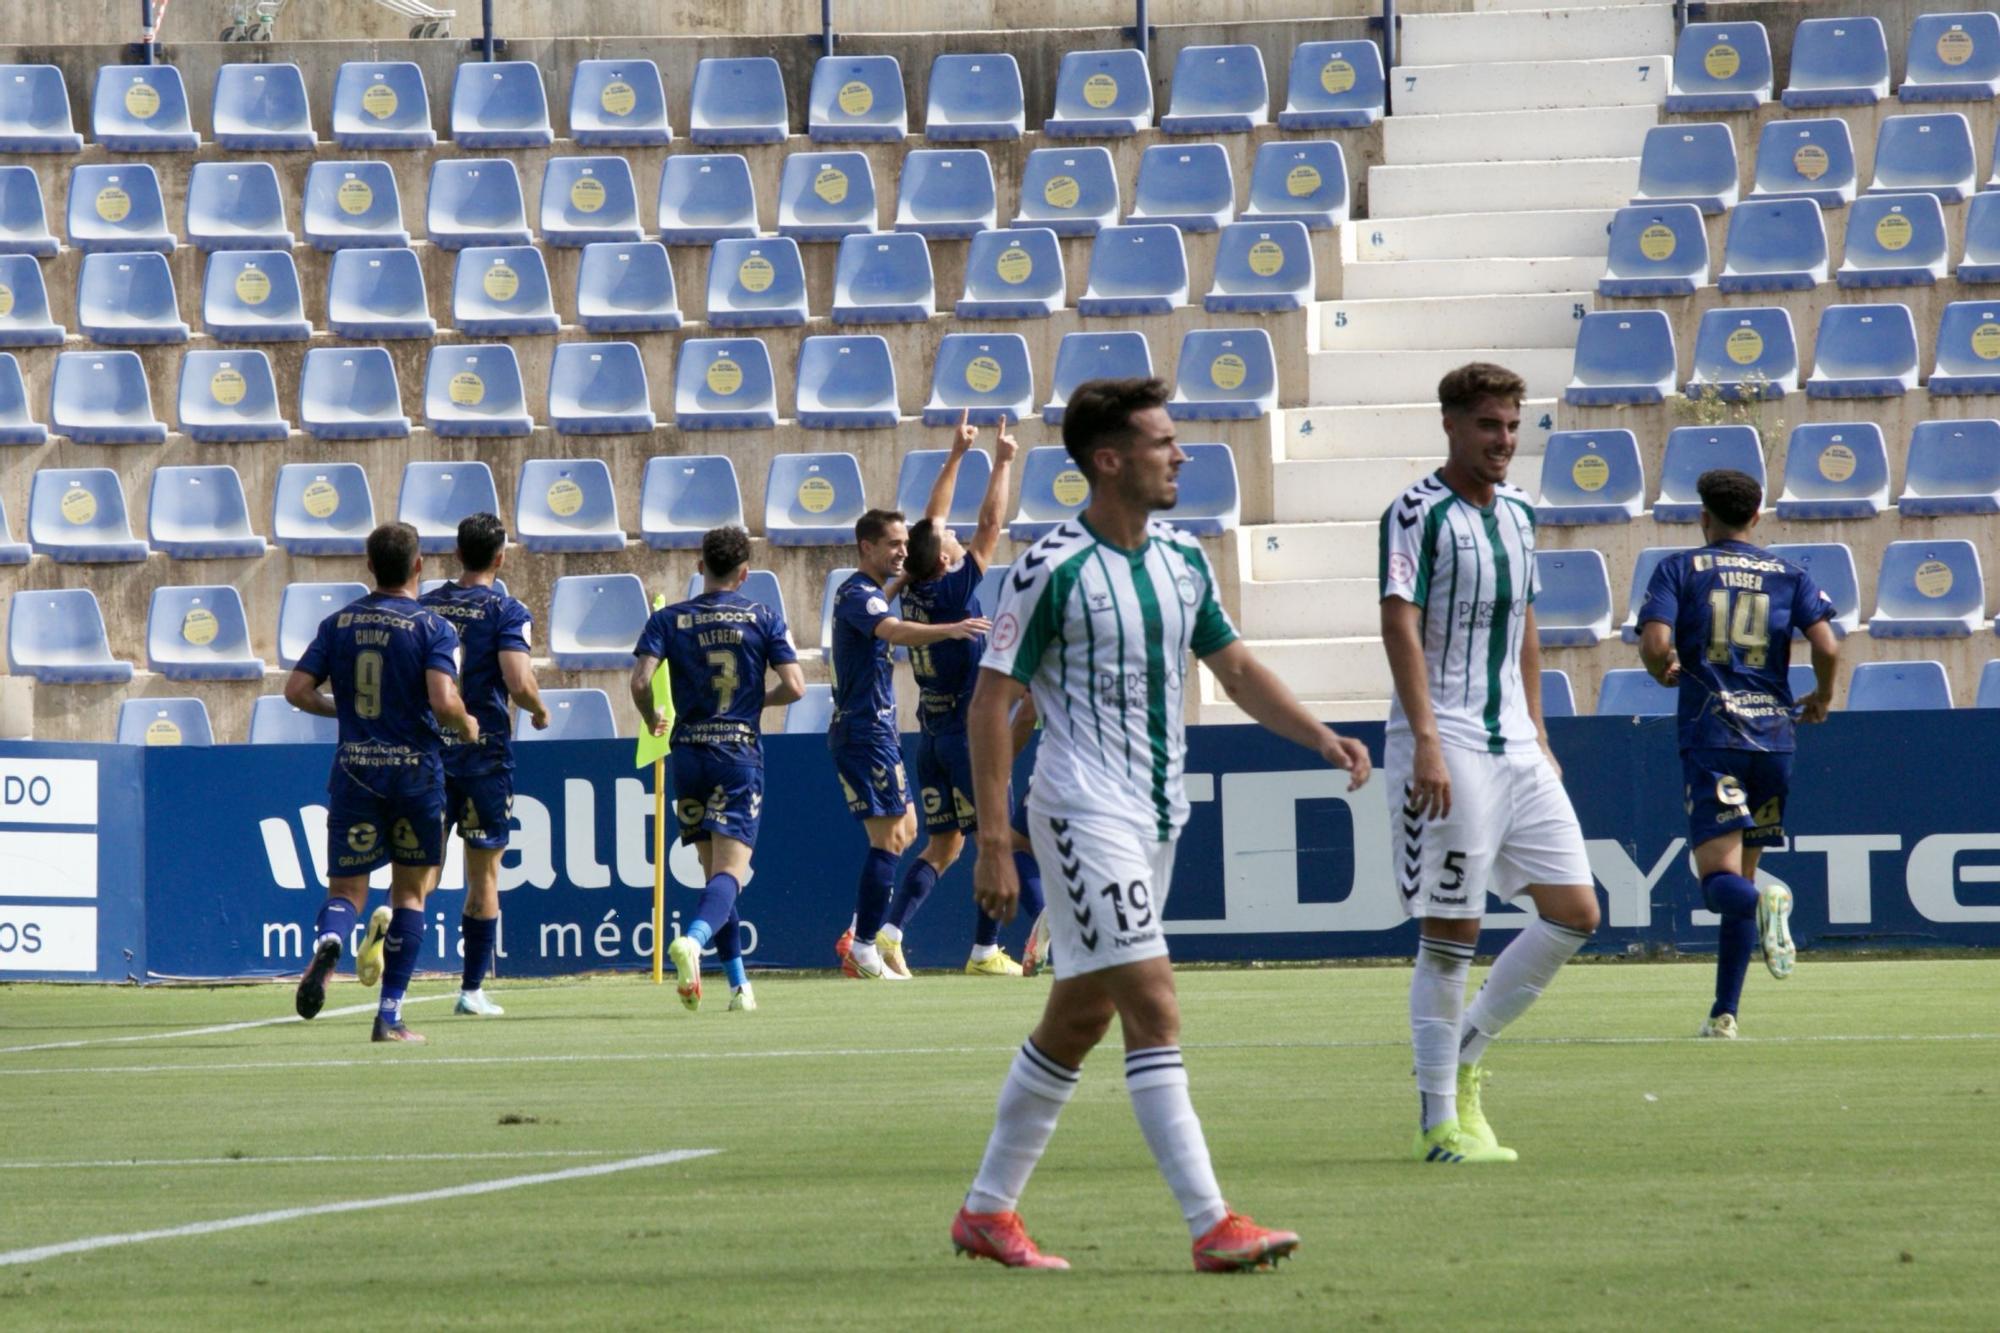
x=1511 y=825
x=1107 y=891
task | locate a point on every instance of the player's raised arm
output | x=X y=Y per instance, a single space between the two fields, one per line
x=1256 y=689
x=993 y=508
x=989 y=728
x=938 y=507
x=1403 y=641
x=302 y=691
x=446 y=705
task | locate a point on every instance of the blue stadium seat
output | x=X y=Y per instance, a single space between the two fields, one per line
x=1101 y=95
x=1774 y=245
x=351 y=393
x=156 y=721
x=857 y=99
x=1894 y=240
x=24 y=221
x=1071 y=191
x=500 y=104
x=761 y=586
x=567 y=504
x=17 y=422
x=1643 y=566
x=574 y=715
x=141 y=109
x=262 y=108
x=883 y=278
x=1116 y=355
x=990 y=584
x=1953 y=468
x=1225 y=375
x=502 y=291
x=825 y=196
x=1968 y=347
x=1693 y=450
x=1622 y=356
x=300 y=611
x=1210 y=502
x=1689 y=164
x=1720 y=67
x=618 y=104
x=1953 y=58
x=77 y=516
x=986 y=374
x=1656 y=250
x=34 y=111
x=200 y=633
x=1928 y=590
x=587 y=199
x=322 y=509
x=1218 y=90
x=1864 y=351
x=229 y=397
x=476 y=201
x=1746 y=353
x=275 y=722
x=846 y=383
x=1838 y=62
x=1295 y=180
x=1806 y=159
x=474 y=389
x=813 y=713
x=1013 y=273
x=435 y=496
x=594 y=619
x=1800 y=678
x=919 y=471
x=725 y=384
x=1835 y=470
x=128 y=298
x=1630 y=692
x=1188 y=185
x=1558 y=699
x=353 y=204
x=253 y=296
x=1831 y=565
x=683 y=496
x=1898 y=686
x=812 y=499
x=756 y=284
x=738 y=101
x=236 y=206
x=117 y=206
x=1932 y=154
x=975 y=97
x=706 y=197
x=103 y=398
x=1136 y=270
x=626 y=288
x=1260 y=268
x=1334 y=85
x=1572 y=598
x=599 y=388
x=1989 y=685
x=1591 y=476
x=381 y=104
x=378 y=294
x=946 y=192
x=26 y=321
x=1052 y=491
x=200 y=513
x=57 y=637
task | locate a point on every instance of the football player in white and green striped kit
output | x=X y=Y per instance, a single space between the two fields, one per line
x=1098 y=619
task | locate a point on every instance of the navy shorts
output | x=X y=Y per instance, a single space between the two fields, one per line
x=479 y=794
x=718 y=789
x=1727 y=790
x=871 y=776
x=375 y=815
x=944 y=782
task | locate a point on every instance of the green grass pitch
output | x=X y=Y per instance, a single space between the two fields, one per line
x=1834 y=1169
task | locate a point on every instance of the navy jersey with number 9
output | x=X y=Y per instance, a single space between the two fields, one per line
x=717 y=647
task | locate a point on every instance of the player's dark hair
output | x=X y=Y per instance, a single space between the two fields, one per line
x=724 y=550
x=1099 y=415
x=1461 y=389
x=481 y=538
x=925 y=559
x=392 y=554
x=1732 y=497
x=873 y=526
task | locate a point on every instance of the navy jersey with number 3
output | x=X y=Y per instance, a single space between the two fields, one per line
x=717 y=647
x=376 y=650
x=947 y=670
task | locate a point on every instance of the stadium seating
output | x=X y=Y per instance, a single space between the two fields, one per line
x=1953 y=468
x=825 y=196
x=229 y=397
x=56 y=636
x=350 y=393
x=500 y=104
x=599 y=388
x=502 y=291
x=1188 y=185
x=946 y=192
x=1693 y=450
x=1929 y=590
x=200 y=513
x=118 y=206
x=756 y=284
x=435 y=496
x=476 y=201
x=1953 y=58
x=353 y=204
x=156 y=721
x=1894 y=240
x=574 y=715
x=813 y=499
x=725 y=384
x=1981 y=257
x=300 y=611
x=1298 y=181
x=1835 y=470
x=813 y=713
x=261 y=108
x=141 y=109
x=985 y=375
x=1656 y=250
x=1630 y=692
x=1052 y=491
x=587 y=199
x=1838 y=62
x=253 y=296
x=236 y=206
x=682 y=497
x=380 y=105
x=1688 y=164
x=1572 y=598
x=738 y=101
x=1745 y=353
x=919 y=471
x=1831 y=565
x=883 y=278
x=322 y=509
x=77 y=516
x=857 y=99
x=975 y=97
x=761 y=586
x=1334 y=85
x=1211 y=501
x=24 y=221
x=1968 y=343
x=200 y=633
x=1989 y=685
x=1218 y=90
x=1799 y=678
x=378 y=294
x=990 y=585
x=626 y=288
x=1225 y=375
x=26 y=321
x=1806 y=159
x=17 y=422
x=567 y=504
x=1864 y=351
x=1880 y=686
x=846 y=383
x=34 y=111
x=103 y=398
x=1101 y=95
x=618 y=104
x=594 y=619
x=1932 y=154
x=1622 y=357
x=1013 y=273
x=1073 y=191
x=1774 y=245
x=1136 y=270
x=1260 y=267
x=706 y=197
x=474 y=389
x=1119 y=354
x=1558 y=699
x=128 y=298
x=1643 y=568
x=275 y=722
x=1591 y=476
x=1720 y=67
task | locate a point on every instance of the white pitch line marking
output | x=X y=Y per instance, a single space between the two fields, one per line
x=127 y=1163
x=247 y=1024
x=88 y=1243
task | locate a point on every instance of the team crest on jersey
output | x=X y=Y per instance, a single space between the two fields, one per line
x=1189 y=593
x=1005 y=630
x=877 y=607
x=1402 y=569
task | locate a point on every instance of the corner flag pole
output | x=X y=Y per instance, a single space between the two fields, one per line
x=653 y=750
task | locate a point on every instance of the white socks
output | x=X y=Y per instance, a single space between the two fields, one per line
x=1518 y=977
x=982 y=952
x=893 y=934
x=1158 y=1084
x=1437 y=1000
x=1030 y=1100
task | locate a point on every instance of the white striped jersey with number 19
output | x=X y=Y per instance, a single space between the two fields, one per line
x=1101 y=637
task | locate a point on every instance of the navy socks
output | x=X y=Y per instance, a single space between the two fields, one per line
x=1734 y=899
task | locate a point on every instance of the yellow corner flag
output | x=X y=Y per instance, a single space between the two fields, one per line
x=653 y=750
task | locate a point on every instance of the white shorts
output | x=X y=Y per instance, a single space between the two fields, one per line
x=1511 y=825
x=1107 y=891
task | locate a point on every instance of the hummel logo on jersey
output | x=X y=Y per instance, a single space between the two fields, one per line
x=1100 y=601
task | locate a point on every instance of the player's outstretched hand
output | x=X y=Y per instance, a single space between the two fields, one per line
x=966 y=435
x=1430 y=781
x=969 y=629
x=995 y=886
x=1005 y=446
x=1814 y=706
x=1350 y=754
x=539 y=719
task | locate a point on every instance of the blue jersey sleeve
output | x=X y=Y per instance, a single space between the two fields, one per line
x=441 y=647
x=317 y=659
x=653 y=638
x=778 y=649
x=861 y=608
x=517 y=629
x=1810 y=604
x=1662 y=594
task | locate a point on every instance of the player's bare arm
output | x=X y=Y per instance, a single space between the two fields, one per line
x=303 y=692
x=1256 y=689
x=448 y=707
x=1402 y=639
x=640 y=685
x=517 y=672
x=1531 y=686
x=909 y=634
x=989 y=728
x=993 y=507
x=791 y=686
x=1656 y=652
x=1825 y=663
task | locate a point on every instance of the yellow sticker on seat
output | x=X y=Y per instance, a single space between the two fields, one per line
x=1722 y=61
x=1893 y=232
x=1301 y=181
x=815 y=495
x=1744 y=346
x=982 y=374
x=379 y=101
x=1657 y=242
x=830 y=184
x=1836 y=462
x=1266 y=258
x=587 y=194
x=1014 y=266
x=113 y=204
x=253 y=286
x=856 y=98
x=1986 y=341
x=1336 y=75
x=1227 y=371
x=725 y=377
x=565 y=497
x=1590 y=472
x=1070 y=488
x=618 y=99
x=320 y=498
x=501 y=282
x=1100 y=91
x=142 y=101
x=78 y=505
x=1062 y=192
x=227 y=386
x=162 y=731
x=354 y=197
x=6 y=300
x=199 y=626
x=1933 y=578
x=1954 y=47
x=466 y=389
x=756 y=274
x=1810 y=161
